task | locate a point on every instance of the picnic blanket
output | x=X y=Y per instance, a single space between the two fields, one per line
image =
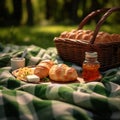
x=54 y=101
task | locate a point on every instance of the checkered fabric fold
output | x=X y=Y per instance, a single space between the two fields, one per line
x=54 y=101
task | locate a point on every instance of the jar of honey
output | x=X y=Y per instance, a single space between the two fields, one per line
x=90 y=67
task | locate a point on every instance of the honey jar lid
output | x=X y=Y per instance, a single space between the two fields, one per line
x=91 y=54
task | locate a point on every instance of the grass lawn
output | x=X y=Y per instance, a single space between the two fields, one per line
x=38 y=35
x=42 y=35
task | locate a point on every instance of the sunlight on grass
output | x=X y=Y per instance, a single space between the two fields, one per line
x=43 y=35
x=52 y=29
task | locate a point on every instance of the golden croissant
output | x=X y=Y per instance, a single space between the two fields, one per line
x=42 y=69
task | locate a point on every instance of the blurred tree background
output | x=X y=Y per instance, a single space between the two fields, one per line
x=27 y=16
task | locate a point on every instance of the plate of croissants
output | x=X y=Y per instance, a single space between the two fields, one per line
x=48 y=71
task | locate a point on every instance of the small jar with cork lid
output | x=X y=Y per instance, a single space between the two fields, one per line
x=90 y=67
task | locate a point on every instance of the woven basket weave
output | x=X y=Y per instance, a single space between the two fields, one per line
x=74 y=50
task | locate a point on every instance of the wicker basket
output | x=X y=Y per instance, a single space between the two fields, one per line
x=74 y=50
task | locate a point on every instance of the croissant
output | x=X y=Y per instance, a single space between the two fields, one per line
x=62 y=73
x=42 y=69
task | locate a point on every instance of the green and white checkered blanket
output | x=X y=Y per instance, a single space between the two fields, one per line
x=53 y=101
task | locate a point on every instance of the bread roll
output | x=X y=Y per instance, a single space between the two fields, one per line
x=62 y=73
x=64 y=34
x=42 y=69
x=71 y=35
x=115 y=37
x=79 y=36
x=102 y=37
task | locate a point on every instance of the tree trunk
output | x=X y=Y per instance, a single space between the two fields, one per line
x=69 y=10
x=30 y=20
x=74 y=9
x=17 y=14
x=51 y=9
x=4 y=14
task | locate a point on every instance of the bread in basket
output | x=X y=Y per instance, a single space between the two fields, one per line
x=71 y=46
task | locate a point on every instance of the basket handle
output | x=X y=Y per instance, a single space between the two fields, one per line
x=90 y=15
x=100 y=22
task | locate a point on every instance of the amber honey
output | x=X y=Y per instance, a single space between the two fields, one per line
x=91 y=67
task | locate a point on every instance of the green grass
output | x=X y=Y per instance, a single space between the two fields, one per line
x=38 y=35
x=42 y=35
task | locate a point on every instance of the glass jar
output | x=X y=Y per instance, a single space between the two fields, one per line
x=90 y=67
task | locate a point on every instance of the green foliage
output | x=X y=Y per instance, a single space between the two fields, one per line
x=58 y=10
